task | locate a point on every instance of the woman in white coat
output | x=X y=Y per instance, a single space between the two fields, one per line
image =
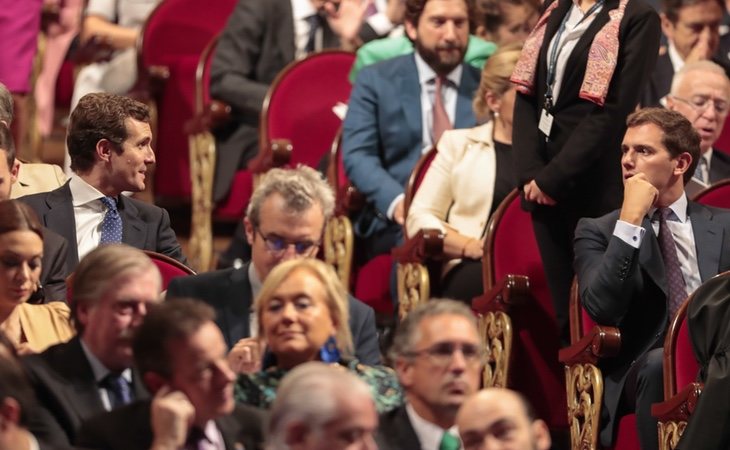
x=469 y=177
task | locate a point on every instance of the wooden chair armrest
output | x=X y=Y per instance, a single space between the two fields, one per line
x=679 y=407
x=510 y=290
x=277 y=155
x=426 y=244
x=600 y=342
x=215 y=115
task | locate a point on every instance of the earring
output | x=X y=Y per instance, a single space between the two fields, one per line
x=329 y=353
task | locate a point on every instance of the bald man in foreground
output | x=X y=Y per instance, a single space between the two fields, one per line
x=500 y=419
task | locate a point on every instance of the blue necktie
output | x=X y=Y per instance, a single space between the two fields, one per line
x=119 y=392
x=111 y=226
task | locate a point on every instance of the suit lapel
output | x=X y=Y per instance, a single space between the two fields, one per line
x=83 y=393
x=410 y=88
x=407 y=439
x=60 y=218
x=134 y=230
x=238 y=311
x=708 y=240
x=650 y=257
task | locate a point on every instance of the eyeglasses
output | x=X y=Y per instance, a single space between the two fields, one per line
x=702 y=102
x=278 y=246
x=442 y=354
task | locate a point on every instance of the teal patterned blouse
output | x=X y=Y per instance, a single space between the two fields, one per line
x=259 y=389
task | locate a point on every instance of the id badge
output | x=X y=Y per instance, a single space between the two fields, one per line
x=546 y=122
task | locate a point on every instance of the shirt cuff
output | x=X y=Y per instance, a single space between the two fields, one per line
x=629 y=233
x=391 y=208
x=380 y=23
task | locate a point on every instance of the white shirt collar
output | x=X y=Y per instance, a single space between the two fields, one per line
x=675 y=57
x=426 y=73
x=429 y=434
x=82 y=192
x=301 y=9
x=679 y=208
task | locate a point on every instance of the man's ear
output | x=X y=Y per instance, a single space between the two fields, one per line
x=541 y=435
x=14 y=171
x=684 y=160
x=104 y=149
x=9 y=412
x=404 y=368
x=667 y=27
x=411 y=30
x=248 y=227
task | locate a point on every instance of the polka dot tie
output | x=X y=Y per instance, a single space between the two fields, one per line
x=111 y=226
x=672 y=269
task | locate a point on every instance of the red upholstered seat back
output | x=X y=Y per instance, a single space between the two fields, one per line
x=723 y=142
x=536 y=372
x=298 y=106
x=174 y=36
x=416 y=178
x=685 y=363
x=169 y=268
x=717 y=195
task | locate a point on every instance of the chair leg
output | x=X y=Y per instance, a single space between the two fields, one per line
x=496 y=330
x=413 y=287
x=585 y=395
x=202 y=166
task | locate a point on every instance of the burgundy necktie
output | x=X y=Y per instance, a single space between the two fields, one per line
x=675 y=279
x=441 y=120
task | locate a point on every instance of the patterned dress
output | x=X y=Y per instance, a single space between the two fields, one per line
x=259 y=389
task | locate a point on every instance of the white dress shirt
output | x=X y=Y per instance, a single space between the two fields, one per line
x=680 y=225
x=88 y=213
x=429 y=435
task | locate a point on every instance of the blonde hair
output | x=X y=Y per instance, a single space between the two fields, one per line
x=495 y=77
x=336 y=300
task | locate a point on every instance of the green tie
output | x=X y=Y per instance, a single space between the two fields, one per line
x=449 y=442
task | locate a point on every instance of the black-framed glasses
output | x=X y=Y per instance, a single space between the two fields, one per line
x=442 y=354
x=702 y=102
x=278 y=245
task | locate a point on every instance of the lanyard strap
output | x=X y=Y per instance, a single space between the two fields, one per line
x=556 y=48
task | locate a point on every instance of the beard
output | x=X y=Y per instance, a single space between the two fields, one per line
x=444 y=58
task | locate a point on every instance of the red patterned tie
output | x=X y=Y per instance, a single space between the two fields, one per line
x=441 y=120
x=675 y=279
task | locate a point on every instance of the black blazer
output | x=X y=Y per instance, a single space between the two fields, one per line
x=625 y=287
x=228 y=291
x=55 y=269
x=144 y=226
x=580 y=164
x=129 y=428
x=395 y=431
x=66 y=390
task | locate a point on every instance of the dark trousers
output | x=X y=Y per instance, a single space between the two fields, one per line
x=644 y=387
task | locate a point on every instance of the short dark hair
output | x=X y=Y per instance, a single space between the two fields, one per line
x=14 y=384
x=17 y=216
x=7 y=145
x=6 y=105
x=489 y=12
x=671 y=8
x=414 y=10
x=96 y=117
x=679 y=136
x=172 y=320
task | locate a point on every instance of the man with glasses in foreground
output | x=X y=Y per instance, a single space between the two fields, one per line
x=285 y=220
x=701 y=93
x=438 y=356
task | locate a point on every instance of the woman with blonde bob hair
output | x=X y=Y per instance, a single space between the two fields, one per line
x=302 y=313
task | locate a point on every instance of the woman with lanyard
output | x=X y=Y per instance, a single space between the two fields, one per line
x=579 y=76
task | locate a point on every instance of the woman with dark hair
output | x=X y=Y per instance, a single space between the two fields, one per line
x=31 y=328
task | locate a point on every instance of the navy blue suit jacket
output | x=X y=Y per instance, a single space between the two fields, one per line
x=383 y=135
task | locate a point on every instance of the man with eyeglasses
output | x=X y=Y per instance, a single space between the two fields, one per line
x=438 y=356
x=701 y=93
x=692 y=29
x=285 y=219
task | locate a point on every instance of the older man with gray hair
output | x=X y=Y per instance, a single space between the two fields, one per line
x=701 y=93
x=285 y=220
x=317 y=407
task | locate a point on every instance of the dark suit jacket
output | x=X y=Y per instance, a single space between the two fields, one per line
x=256 y=44
x=395 y=431
x=54 y=266
x=660 y=82
x=719 y=166
x=229 y=292
x=382 y=135
x=129 y=428
x=144 y=226
x=580 y=164
x=66 y=390
x=625 y=287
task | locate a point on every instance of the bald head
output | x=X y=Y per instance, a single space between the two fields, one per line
x=500 y=419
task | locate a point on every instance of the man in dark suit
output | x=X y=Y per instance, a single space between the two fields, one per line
x=109 y=140
x=636 y=265
x=182 y=357
x=701 y=93
x=438 y=357
x=260 y=39
x=285 y=220
x=692 y=29
x=73 y=381
x=395 y=114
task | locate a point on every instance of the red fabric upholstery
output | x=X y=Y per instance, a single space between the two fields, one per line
x=717 y=195
x=237 y=200
x=536 y=371
x=627 y=437
x=169 y=268
x=723 y=142
x=65 y=85
x=198 y=21
x=686 y=366
x=372 y=284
